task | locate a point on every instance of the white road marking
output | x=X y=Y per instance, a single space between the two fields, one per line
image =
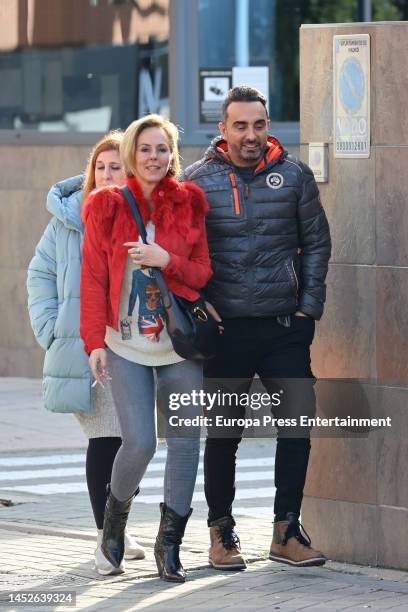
x=200 y=497
x=41 y=474
x=80 y=487
x=58 y=459
x=257 y=511
x=79 y=471
x=262 y=470
x=147 y=483
x=42 y=460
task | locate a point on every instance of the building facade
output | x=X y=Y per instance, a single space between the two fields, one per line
x=72 y=69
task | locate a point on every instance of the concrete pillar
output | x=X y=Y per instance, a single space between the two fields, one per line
x=356 y=503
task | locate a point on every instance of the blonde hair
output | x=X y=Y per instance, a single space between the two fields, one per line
x=131 y=136
x=110 y=142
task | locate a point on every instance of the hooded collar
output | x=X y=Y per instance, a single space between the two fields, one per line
x=64 y=202
x=219 y=149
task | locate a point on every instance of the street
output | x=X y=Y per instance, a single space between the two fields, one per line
x=47 y=533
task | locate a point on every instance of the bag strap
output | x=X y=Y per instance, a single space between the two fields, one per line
x=136 y=212
x=157 y=273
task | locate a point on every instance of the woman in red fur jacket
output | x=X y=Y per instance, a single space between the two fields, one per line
x=123 y=326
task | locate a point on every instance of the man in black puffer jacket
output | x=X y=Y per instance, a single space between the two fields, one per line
x=270 y=245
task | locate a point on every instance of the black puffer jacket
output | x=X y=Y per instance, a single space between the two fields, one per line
x=269 y=239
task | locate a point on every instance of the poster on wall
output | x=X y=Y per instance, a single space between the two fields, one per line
x=351 y=95
x=214 y=84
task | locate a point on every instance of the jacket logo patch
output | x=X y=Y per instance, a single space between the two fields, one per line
x=274 y=180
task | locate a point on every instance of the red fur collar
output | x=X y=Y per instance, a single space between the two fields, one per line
x=180 y=206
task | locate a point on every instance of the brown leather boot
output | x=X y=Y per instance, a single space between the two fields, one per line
x=224 y=552
x=291 y=547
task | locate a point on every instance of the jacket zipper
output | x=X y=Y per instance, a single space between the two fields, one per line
x=252 y=251
x=237 y=208
x=296 y=280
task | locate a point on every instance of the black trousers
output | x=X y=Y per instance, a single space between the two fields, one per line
x=274 y=352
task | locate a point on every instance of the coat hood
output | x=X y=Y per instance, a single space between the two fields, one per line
x=219 y=149
x=64 y=202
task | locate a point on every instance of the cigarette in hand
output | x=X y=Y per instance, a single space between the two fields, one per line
x=95 y=383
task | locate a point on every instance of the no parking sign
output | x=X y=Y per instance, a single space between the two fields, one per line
x=351 y=61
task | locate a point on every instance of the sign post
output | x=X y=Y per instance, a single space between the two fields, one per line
x=351 y=94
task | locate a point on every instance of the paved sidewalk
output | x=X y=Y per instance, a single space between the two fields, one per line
x=47 y=542
x=26 y=425
x=57 y=563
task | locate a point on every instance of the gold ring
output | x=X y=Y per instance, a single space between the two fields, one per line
x=138 y=251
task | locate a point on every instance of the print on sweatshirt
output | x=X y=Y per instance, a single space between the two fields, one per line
x=151 y=315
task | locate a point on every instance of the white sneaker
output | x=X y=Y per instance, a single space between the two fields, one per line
x=133 y=550
x=102 y=565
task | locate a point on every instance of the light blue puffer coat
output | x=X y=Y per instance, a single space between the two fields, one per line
x=53 y=302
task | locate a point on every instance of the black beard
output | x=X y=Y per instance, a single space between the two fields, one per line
x=255 y=155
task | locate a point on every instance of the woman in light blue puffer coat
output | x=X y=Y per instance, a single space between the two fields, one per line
x=53 y=303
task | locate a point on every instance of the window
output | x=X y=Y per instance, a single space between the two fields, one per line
x=82 y=66
x=210 y=37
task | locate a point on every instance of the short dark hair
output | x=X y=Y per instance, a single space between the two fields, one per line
x=243 y=93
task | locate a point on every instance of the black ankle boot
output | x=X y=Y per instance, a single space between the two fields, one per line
x=167 y=546
x=114 y=524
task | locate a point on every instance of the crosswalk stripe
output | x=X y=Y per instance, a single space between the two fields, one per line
x=41 y=474
x=79 y=471
x=200 y=497
x=153 y=483
x=256 y=462
x=59 y=467
x=53 y=460
x=257 y=511
x=147 y=483
x=50 y=488
x=42 y=460
x=80 y=487
x=58 y=459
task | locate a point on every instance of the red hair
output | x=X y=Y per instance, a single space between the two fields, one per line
x=110 y=142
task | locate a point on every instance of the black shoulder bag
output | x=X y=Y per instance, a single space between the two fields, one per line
x=192 y=330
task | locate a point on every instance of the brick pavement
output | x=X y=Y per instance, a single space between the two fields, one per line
x=57 y=563
x=41 y=549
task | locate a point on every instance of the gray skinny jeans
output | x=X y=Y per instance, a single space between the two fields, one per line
x=133 y=390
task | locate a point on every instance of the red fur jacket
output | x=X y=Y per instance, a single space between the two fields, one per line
x=179 y=219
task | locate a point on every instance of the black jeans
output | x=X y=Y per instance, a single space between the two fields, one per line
x=267 y=348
